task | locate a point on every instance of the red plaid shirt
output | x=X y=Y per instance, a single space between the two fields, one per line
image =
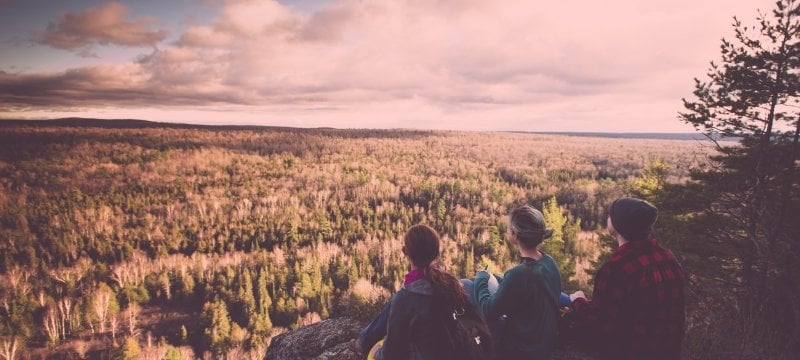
x=637 y=311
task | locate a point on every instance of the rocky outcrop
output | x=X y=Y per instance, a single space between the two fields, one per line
x=335 y=339
x=332 y=339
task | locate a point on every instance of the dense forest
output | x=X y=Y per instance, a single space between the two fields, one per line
x=127 y=239
x=191 y=242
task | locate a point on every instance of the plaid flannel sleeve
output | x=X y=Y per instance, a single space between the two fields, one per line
x=602 y=315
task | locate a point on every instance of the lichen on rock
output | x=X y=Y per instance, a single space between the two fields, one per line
x=332 y=339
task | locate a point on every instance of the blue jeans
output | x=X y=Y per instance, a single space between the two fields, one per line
x=564 y=301
x=376 y=330
x=469 y=287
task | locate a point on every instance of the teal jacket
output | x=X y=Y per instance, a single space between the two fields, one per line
x=528 y=295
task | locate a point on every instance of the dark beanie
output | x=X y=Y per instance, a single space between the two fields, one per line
x=633 y=218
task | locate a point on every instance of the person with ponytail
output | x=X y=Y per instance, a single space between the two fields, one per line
x=523 y=310
x=421 y=315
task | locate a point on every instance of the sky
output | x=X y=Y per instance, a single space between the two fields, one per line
x=521 y=65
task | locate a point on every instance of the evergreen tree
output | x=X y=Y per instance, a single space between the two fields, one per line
x=245 y=295
x=441 y=210
x=652 y=181
x=217 y=326
x=292 y=236
x=555 y=246
x=262 y=324
x=751 y=190
x=130 y=349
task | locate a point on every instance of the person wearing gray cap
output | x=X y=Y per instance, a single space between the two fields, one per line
x=637 y=309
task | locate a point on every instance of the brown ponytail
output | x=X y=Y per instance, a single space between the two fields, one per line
x=422 y=247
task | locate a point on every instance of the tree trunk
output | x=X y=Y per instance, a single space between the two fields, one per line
x=9 y=348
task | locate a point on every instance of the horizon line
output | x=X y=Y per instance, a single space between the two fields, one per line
x=212 y=125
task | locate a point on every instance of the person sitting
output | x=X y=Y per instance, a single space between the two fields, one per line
x=523 y=311
x=637 y=309
x=417 y=323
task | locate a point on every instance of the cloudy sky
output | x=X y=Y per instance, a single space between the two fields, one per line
x=616 y=65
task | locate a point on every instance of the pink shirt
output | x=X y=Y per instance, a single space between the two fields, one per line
x=414 y=275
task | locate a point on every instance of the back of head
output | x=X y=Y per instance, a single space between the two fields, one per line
x=633 y=218
x=529 y=226
x=422 y=247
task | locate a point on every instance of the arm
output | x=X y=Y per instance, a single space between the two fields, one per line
x=508 y=293
x=605 y=296
x=602 y=316
x=398 y=332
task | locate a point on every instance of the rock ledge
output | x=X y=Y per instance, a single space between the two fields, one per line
x=332 y=339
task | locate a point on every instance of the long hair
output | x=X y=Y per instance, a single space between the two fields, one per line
x=422 y=247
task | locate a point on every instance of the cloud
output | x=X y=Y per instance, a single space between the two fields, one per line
x=504 y=64
x=103 y=25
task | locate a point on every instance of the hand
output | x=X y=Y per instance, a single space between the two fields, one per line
x=577 y=295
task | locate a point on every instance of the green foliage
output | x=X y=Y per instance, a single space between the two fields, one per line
x=752 y=190
x=361 y=308
x=217 y=323
x=173 y=354
x=130 y=349
x=275 y=225
x=101 y=307
x=17 y=316
x=441 y=210
x=184 y=335
x=133 y=294
x=559 y=245
x=652 y=181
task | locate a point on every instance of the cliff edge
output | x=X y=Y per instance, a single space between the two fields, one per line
x=335 y=339
x=332 y=339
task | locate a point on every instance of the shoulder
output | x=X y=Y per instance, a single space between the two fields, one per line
x=640 y=257
x=625 y=258
x=420 y=290
x=405 y=302
x=516 y=272
x=546 y=262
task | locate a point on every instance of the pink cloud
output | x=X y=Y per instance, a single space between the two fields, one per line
x=504 y=64
x=105 y=24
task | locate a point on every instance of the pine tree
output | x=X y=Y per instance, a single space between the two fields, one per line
x=262 y=324
x=245 y=295
x=555 y=246
x=751 y=191
x=441 y=210
x=218 y=325
x=130 y=349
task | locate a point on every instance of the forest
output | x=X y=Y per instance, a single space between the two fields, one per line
x=138 y=240
x=190 y=242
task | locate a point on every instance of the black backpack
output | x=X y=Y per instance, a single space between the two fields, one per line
x=467 y=333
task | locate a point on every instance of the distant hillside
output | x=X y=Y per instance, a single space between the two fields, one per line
x=145 y=124
x=138 y=124
x=635 y=135
x=122 y=124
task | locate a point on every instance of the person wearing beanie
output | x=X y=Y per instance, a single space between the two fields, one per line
x=637 y=309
